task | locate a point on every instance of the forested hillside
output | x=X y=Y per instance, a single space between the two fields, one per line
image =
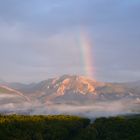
x=60 y=127
x=14 y=127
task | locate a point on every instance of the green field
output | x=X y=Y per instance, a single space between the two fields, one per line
x=59 y=127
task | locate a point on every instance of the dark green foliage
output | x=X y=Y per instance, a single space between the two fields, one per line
x=61 y=127
x=40 y=127
x=114 y=128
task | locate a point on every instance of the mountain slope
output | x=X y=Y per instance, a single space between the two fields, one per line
x=9 y=95
x=74 y=89
x=79 y=89
x=70 y=94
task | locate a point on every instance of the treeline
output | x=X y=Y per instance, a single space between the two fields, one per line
x=113 y=128
x=60 y=127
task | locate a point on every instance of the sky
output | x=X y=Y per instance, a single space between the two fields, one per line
x=39 y=39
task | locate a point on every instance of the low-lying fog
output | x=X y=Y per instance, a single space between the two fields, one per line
x=91 y=111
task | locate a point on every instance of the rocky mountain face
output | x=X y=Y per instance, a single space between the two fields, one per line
x=72 y=89
x=78 y=89
x=68 y=90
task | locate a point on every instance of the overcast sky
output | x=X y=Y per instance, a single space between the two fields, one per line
x=38 y=38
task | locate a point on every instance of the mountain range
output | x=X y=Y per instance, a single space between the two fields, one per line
x=69 y=89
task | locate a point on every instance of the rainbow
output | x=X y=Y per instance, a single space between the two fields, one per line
x=86 y=53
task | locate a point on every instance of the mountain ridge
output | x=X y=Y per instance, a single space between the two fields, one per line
x=70 y=92
x=71 y=88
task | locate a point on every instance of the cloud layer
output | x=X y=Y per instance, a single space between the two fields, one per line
x=101 y=109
